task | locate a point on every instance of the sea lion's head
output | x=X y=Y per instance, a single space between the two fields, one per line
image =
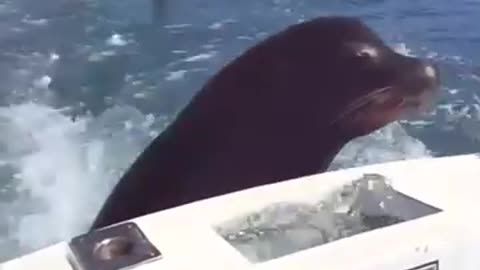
x=343 y=74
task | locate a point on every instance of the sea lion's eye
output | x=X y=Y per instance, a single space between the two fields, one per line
x=366 y=52
x=362 y=53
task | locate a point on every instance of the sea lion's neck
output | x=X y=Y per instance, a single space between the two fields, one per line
x=212 y=160
x=225 y=140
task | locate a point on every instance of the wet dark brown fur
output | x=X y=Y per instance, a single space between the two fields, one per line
x=281 y=110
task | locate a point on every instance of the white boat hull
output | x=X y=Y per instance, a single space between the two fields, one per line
x=448 y=239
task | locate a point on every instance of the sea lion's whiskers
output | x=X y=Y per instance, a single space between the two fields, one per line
x=361 y=102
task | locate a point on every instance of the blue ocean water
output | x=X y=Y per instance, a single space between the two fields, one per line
x=86 y=84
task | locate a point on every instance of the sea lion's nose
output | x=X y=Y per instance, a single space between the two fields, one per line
x=419 y=75
x=429 y=70
x=428 y=73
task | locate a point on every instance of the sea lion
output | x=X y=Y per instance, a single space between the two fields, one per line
x=282 y=109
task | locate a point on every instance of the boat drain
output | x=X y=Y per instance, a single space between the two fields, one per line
x=113 y=248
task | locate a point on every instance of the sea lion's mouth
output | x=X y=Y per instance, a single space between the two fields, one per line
x=382 y=106
x=410 y=93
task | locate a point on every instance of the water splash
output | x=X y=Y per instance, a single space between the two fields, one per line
x=57 y=172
